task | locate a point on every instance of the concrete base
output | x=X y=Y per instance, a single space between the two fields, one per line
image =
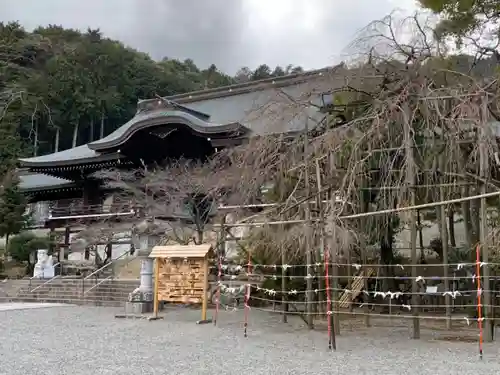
x=138 y=308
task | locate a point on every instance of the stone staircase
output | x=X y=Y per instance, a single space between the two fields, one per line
x=98 y=292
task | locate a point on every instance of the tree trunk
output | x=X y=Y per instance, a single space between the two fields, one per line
x=420 y=236
x=56 y=141
x=91 y=130
x=466 y=215
x=75 y=134
x=35 y=142
x=475 y=219
x=451 y=227
x=101 y=130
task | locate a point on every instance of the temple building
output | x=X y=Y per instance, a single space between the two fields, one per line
x=192 y=125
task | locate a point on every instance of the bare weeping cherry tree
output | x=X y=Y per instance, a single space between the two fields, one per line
x=426 y=138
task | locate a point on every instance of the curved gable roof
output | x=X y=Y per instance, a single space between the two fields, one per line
x=163 y=117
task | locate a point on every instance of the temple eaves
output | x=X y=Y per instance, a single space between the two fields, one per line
x=38 y=182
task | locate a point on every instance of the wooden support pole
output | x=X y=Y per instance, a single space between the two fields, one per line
x=371 y=213
x=308 y=249
x=443 y=230
x=484 y=172
x=364 y=223
x=284 y=273
x=410 y=181
x=334 y=259
x=321 y=248
x=204 y=303
x=155 y=290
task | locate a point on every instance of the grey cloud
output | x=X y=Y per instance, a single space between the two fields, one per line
x=208 y=31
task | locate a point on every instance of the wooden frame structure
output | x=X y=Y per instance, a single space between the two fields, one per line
x=181 y=275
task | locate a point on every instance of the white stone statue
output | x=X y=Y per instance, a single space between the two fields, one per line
x=44 y=267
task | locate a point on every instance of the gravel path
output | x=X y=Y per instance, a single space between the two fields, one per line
x=89 y=340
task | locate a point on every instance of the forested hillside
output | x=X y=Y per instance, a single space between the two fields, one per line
x=61 y=87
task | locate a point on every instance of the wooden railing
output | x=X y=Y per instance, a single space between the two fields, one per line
x=70 y=211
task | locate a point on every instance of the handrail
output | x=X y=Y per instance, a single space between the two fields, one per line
x=96 y=285
x=36 y=277
x=106 y=265
x=45 y=283
x=31 y=278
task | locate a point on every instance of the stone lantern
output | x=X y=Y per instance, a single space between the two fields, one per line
x=145 y=236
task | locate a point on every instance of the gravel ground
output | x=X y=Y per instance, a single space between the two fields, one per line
x=89 y=340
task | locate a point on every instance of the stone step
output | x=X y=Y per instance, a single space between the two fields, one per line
x=75 y=301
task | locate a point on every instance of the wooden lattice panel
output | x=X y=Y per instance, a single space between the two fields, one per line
x=181 y=281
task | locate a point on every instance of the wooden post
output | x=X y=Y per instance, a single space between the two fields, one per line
x=284 y=273
x=410 y=182
x=220 y=253
x=155 y=290
x=484 y=171
x=364 y=223
x=334 y=260
x=309 y=281
x=349 y=278
x=321 y=248
x=444 y=240
x=205 y=290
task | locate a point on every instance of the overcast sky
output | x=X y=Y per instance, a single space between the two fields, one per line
x=228 y=33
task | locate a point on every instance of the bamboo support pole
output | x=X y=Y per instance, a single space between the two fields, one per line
x=375 y=213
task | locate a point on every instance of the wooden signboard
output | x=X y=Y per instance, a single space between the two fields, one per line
x=181 y=280
x=181 y=274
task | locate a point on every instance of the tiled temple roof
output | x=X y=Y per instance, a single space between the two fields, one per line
x=269 y=106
